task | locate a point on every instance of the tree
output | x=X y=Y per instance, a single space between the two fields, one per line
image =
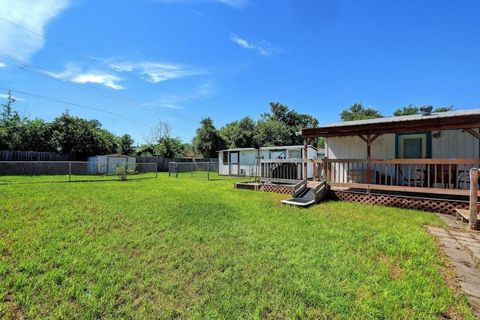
x=406 y=111
x=228 y=133
x=81 y=137
x=169 y=147
x=207 y=140
x=10 y=126
x=359 y=112
x=160 y=130
x=125 y=144
x=272 y=133
x=413 y=109
x=36 y=135
x=292 y=120
x=443 y=109
x=161 y=143
x=239 y=134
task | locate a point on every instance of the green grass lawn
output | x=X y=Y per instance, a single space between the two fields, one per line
x=178 y=248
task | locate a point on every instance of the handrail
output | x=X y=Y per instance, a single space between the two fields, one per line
x=299 y=187
x=320 y=190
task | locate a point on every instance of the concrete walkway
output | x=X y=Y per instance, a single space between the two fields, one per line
x=463 y=248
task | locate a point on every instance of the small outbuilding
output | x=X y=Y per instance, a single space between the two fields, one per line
x=246 y=161
x=110 y=164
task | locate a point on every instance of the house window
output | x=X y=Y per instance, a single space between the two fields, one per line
x=278 y=154
x=295 y=154
x=412 y=148
x=225 y=157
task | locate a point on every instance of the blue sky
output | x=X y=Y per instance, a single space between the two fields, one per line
x=131 y=63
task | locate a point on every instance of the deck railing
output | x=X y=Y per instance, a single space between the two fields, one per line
x=281 y=170
x=399 y=174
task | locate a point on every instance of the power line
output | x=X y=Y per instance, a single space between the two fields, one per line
x=23 y=65
x=89 y=57
x=58 y=43
x=136 y=121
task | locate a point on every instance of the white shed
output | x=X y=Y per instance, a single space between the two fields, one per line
x=111 y=164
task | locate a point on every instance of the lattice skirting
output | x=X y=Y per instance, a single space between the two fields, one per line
x=277 y=188
x=432 y=205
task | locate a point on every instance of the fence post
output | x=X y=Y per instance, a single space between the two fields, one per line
x=473 y=198
x=124 y=175
x=208 y=170
x=156 y=170
x=69 y=171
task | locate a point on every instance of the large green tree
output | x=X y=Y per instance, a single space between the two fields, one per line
x=81 y=137
x=292 y=121
x=239 y=134
x=272 y=133
x=207 y=140
x=125 y=144
x=358 y=112
x=169 y=147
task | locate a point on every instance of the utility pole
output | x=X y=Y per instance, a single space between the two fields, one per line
x=7 y=108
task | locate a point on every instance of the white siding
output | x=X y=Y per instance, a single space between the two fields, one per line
x=355 y=148
x=455 y=144
x=450 y=144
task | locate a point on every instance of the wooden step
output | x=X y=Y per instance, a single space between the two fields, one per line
x=464 y=214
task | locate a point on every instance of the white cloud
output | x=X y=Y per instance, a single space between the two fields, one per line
x=105 y=79
x=262 y=47
x=77 y=75
x=155 y=71
x=15 y=40
x=2 y=65
x=231 y=3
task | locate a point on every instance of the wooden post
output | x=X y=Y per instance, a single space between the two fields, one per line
x=369 y=158
x=305 y=151
x=473 y=198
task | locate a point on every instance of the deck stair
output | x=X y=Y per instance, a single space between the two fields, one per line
x=464 y=215
x=305 y=194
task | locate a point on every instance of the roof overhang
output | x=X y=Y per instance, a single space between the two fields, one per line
x=463 y=121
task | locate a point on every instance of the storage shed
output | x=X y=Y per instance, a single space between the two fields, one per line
x=111 y=164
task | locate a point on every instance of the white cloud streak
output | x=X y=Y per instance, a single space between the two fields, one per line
x=262 y=47
x=32 y=15
x=155 y=72
x=77 y=75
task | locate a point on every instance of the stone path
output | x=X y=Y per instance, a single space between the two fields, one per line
x=463 y=248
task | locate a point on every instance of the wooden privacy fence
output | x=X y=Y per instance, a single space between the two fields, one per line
x=12 y=155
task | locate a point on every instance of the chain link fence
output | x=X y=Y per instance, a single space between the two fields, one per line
x=209 y=171
x=62 y=171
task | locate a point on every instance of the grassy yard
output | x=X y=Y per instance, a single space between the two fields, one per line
x=179 y=248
